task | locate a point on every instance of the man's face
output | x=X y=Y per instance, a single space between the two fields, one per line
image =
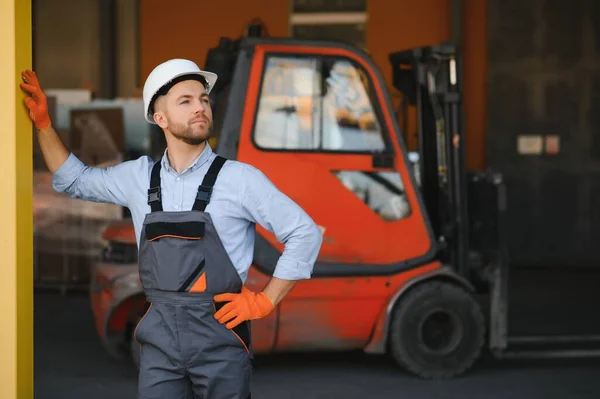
x=185 y=112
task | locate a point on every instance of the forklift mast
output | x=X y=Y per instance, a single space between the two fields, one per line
x=428 y=78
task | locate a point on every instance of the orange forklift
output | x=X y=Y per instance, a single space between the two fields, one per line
x=413 y=262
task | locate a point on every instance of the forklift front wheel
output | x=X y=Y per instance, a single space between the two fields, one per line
x=437 y=330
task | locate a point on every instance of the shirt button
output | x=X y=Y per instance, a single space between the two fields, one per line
x=179 y=178
x=176 y=206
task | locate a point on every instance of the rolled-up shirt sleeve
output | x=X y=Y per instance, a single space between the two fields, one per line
x=291 y=225
x=96 y=184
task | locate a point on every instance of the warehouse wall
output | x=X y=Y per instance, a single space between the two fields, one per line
x=544 y=76
x=404 y=24
x=188 y=29
x=475 y=69
x=67 y=49
x=74 y=46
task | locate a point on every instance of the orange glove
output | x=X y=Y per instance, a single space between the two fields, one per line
x=246 y=305
x=37 y=103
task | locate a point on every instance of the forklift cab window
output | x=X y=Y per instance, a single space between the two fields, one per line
x=319 y=103
x=383 y=192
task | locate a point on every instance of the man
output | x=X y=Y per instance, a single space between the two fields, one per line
x=194 y=215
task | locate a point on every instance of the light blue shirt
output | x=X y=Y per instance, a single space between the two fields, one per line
x=242 y=197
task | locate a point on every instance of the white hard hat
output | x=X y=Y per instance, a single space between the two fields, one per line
x=165 y=75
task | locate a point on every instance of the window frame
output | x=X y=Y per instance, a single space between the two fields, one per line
x=377 y=110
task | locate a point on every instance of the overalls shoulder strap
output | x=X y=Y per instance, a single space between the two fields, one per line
x=205 y=189
x=154 y=198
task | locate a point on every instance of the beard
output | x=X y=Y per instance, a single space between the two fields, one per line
x=192 y=135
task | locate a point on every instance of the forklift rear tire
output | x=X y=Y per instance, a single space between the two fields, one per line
x=437 y=331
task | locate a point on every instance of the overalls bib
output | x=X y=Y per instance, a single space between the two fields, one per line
x=182 y=265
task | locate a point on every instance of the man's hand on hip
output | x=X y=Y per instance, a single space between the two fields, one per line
x=36 y=103
x=246 y=305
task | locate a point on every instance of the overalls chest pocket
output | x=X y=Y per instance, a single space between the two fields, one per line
x=179 y=254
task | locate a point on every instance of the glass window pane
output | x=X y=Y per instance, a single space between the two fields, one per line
x=382 y=192
x=349 y=121
x=301 y=109
x=284 y=119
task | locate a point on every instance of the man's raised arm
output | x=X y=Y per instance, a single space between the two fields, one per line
x=112 y=184
x=54 y=150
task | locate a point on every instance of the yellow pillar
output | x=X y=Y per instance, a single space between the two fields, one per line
x=16 y=214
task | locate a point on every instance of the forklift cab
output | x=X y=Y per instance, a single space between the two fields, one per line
x=314 y=118
x=323 y=107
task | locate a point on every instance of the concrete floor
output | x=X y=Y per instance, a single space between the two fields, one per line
x=70 y=362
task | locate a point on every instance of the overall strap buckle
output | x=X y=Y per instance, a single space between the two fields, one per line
x=154 y=197
x=204 y=194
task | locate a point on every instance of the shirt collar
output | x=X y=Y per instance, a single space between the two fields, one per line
x=198 y=162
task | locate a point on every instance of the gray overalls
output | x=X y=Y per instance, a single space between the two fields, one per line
x=183 y=264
